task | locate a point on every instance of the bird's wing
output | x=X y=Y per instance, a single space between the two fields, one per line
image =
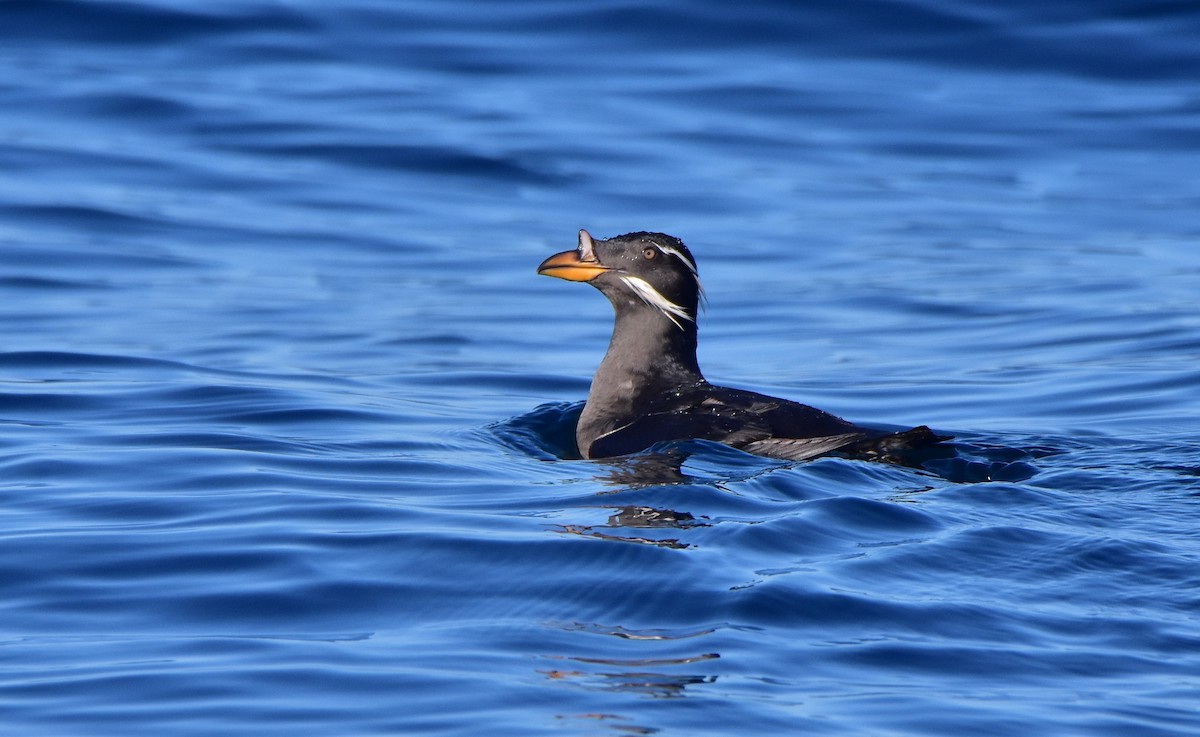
x=722 y=424
x=800 y=449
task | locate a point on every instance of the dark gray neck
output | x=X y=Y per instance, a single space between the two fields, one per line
x=648 y=358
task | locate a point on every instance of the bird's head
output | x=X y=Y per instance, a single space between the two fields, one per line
x=635 y=271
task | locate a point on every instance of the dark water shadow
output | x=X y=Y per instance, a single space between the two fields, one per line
x=547 y=432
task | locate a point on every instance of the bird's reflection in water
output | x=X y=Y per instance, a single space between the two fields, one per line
x=650 y=677
x=638 y=517
x=659 y=684
x=640 y=676
x=617 y=722
x=646 y=469
x=652 y=517
x=640 y=472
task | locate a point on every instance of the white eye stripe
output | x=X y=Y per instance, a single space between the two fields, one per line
x=673 y=251
x=652 y=297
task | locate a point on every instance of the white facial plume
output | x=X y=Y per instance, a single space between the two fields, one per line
x=652 y=297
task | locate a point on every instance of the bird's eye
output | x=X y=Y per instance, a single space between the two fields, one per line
x=650 y=253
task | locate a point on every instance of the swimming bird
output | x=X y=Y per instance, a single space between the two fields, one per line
x=649 y=388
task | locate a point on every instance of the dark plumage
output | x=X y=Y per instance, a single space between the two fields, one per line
x=649 y=387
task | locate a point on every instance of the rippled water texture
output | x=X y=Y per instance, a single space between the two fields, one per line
x=286 y=416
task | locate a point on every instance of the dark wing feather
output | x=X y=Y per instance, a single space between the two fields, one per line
x=800 y=449
x=759 y=424
x=720 y=423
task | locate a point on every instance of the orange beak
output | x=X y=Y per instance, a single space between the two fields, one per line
x=580 y=264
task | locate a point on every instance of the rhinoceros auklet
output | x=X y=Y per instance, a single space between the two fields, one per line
x=649 y=387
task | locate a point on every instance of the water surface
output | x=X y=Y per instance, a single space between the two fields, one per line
x=285 y=414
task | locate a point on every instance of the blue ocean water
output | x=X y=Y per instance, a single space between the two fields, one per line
x=285 y=413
